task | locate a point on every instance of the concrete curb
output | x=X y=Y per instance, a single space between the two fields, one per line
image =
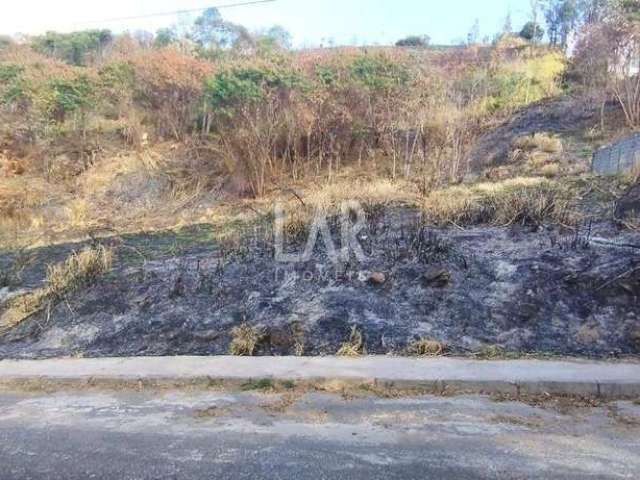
x=441 y=375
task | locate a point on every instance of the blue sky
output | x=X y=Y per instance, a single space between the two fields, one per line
x=310 y=21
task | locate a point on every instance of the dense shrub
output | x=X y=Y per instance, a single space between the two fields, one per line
x=233 y=89
x=513 y=84
x=416 y=41
x=253 y=115
x=170 y=86
x=260 y=114
x=379 y=73
x=606 y=58
x=11 y=86
x=77 y=48
x=70 y=96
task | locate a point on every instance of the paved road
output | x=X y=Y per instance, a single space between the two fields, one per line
x=216 y=435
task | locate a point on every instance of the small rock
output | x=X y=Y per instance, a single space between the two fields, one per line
x=377 y=278
x=437 y=277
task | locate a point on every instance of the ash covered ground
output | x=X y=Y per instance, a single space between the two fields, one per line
x=524 y=290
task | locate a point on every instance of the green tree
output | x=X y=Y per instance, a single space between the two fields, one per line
x=630 y=9
x=72 y=95
x=75 y=48
x=593 y=11
x=562 y=18
x=277 y=37
x=210 y=31
x=416 y=41
x=165 y=37
x=532 y=32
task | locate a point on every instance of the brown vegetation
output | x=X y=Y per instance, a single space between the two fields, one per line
x=80 y=269
x=245 y=340
x=134 y=135
x=530 y=201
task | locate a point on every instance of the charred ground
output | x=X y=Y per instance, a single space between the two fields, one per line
x=483 y=291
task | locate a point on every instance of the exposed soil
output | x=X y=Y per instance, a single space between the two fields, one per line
x=526 y=291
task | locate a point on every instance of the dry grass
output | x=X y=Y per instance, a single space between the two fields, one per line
x=80 y=269
x=301 y=203
x=491 y=352
x=540 y=155
x=245 y=340
x=78 y=212
x=365 y=191
x=426 y=348
x=550 y=170
x=125 y=193
x=519 y=200
x=542 y=142
x=24 y=207
x=355 y=346
x=299 y=340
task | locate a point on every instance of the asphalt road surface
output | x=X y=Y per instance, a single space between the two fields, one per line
x=68 y=435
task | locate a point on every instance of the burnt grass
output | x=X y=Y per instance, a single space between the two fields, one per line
x=525 y=290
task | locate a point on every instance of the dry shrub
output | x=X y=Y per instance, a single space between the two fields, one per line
x=10 y=167
x=605 y=59
x=550 y=170
x=23 y=208
x=366 y=191
x=245 y=340
x=78 y=212
x=39 y=68
x=491 y=352
x=374 y=193
x=539 y=154
x=294 y=116
x=80 y=269
x=520 y=200
x=148 y=188
x=45 y=90
x=426 y=348
x=540 y=141
x=298 y=334
x=130 y=180
x=171 y=84
x=83 y=268
x=355 y=346
x=297 y=223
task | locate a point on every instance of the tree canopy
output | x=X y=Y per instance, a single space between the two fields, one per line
x=416 y=41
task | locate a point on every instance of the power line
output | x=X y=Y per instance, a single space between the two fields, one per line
x=176 y=12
